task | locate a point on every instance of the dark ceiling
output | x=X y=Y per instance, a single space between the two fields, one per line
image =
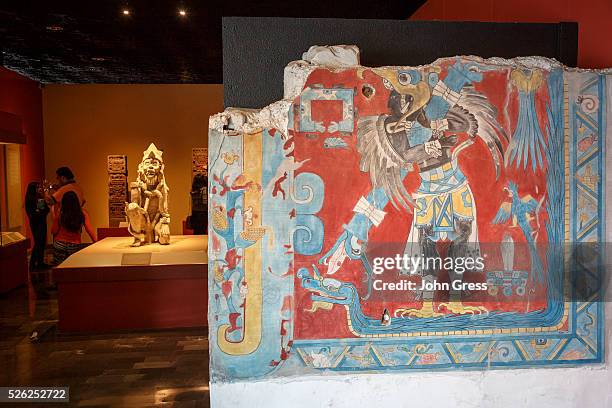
x=95 y=42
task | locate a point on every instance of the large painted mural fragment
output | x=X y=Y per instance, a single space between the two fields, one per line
x=440 y=217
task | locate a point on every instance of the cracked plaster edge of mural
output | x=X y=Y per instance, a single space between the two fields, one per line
x=337 y=58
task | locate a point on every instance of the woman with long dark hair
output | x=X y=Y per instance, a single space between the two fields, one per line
x=37 y=211
x=68 y=222
x=199 y=205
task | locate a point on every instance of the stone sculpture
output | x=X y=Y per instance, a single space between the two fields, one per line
x=147 y=211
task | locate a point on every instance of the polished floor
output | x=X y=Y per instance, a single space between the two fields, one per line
x=166 y=368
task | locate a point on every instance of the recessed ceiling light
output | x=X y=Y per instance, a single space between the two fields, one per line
x=182 y=12
x=125 y=12
x=54 y=28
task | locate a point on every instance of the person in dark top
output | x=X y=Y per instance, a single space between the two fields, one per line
x=199 y=205
x=68 y=222
x=37 y=211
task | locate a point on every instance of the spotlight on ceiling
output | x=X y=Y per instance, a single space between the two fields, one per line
x=182 y=12
x=125 y=12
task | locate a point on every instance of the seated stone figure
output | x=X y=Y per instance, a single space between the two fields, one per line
x=147 y=211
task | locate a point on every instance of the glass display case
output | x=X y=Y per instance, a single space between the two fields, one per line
x=8 y=238
x=13 y=260
x=11 y=200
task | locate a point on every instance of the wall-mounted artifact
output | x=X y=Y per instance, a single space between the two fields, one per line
x=441 y=217
x=117 y=188
x=199 y=161
x=147 y=211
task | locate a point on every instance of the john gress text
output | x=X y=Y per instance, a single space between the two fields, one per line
x=434 y=285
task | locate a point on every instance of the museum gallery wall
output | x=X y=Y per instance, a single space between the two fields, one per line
x=123 y=120
x=22 y=97
x=497 y=160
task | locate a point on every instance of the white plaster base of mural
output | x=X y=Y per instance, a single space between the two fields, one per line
x=575 y=387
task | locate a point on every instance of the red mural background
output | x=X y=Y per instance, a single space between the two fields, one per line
x=344 y=184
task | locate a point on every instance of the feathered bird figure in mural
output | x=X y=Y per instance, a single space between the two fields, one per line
x=520 y=211
x=414 y=132
x=431 y=120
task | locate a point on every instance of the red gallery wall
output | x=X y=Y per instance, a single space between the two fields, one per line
x=593 y=17
x=22 y=96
